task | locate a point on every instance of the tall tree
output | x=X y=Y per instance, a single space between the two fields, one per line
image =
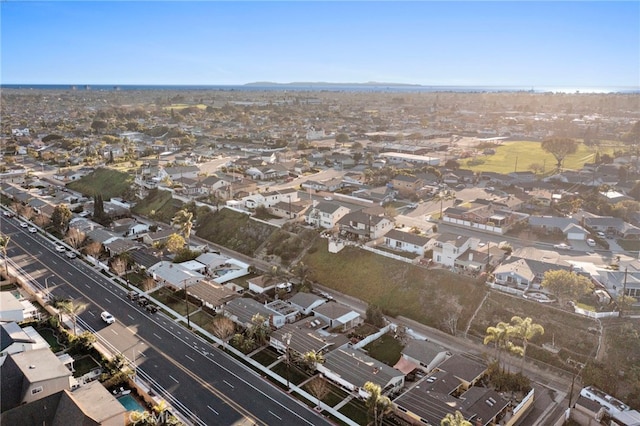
x=98 y=207
x=525 y=330
x=559 y=148
x=456 y=419
x=72 y=309
x=311 y=359
x=378 y=404
x=499 y=335
x=60 y=218
x=184 y=220
x=174 y=243
x=566 y=285
x=319 y=388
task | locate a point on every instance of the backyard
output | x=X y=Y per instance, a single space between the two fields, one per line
x=173 y=301
x=386 y=349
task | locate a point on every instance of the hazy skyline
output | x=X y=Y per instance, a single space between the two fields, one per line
x=532 y=44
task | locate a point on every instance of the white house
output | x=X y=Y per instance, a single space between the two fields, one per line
x=14 y=339
x=448 y=247
x=406 y=241
x=325 y=214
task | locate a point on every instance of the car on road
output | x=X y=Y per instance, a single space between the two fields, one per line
x=70 y=254
x=591 y=242
x=562 y=246
x=601 y=234
x=33 y=230
x=24 y=225
x=7 y=213
x=60 y=248
x=107 y=317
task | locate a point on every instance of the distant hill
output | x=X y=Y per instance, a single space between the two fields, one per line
x=325 y=83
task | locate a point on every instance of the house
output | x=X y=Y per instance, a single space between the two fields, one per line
x=526 y=272
x=261 y=284
x=325 y=214
x=157 y=237
x=31 y=375
x=448 y=247
x=612 y=226
x=212 y=294
x=465 y=369
x=10 y=307
x=289 y=210
x=174 y=173
x=407 y=185
x=301 y=337
x=422 y=354
x=174 y=275
x=362 y=225
x=406 y=241
x=243 y=310
x=351 y=369
x=306 y=302
x=14 y=339
x=90 y=404
x=337 y=316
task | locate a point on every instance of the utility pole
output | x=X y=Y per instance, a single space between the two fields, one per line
x=186 y=300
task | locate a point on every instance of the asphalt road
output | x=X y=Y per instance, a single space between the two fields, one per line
x=203 y=383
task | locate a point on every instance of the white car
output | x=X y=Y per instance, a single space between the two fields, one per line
x=601 y=234
x=562 y=246
x=60 y=248
x=107 y=317
x=24 y=225
x=70 y=254
x=591 y=242
x=32 y=230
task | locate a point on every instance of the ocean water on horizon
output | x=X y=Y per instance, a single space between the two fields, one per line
x=320 y=88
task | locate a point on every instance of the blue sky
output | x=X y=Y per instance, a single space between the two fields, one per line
x=519 y=43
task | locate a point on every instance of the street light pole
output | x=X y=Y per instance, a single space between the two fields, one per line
x=46 y=285
x=287 y=340
x=186 y=300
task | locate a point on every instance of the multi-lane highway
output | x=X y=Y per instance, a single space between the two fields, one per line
x=204 y=384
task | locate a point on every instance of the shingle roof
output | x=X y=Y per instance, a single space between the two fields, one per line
x=358 y=368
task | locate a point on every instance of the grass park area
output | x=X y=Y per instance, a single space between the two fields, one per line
x=526 y=153
x=105 y=181
x=399 y=288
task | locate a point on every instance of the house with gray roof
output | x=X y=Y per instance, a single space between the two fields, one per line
x=406 y=241
x=424 y=354
x=87 y=405
x=352 y=368
x=362 y=225
x=243 y=309
x=303 y=338
x=174 y=275
x=325 y=214
x=306 y=302
x=14 y=339
x=524 y=272
x=31 y=375
x=337 y=316
x=447 y=247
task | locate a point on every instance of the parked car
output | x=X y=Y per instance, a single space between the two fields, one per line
x=591 y=242
x=60 y=248
x=152 y=308
x=24 y=225
x=107 y=317
x=132 y=295
x=70 y=254
x=7 y=213
x=562 y=246
x=601 y=234
x=33 y=230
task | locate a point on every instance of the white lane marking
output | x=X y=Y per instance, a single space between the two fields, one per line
x=130 y=316
x=275 y=415
x=114 y=332
x=173 y=378
x=108 y=300
x=228 y=384
x=213 y=410
x=157 y=336
x=92 y=314
x=190 y=358
x=87 y=285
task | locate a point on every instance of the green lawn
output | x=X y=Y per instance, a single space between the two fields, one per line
x=167 y=297
x=83 y=365
x=296 y=375
x=385 y=349
x=356 y=411
x=108 y=182
x=526 y=153
x=202 y=318
x=48 y=335
x=266 y=356
x=334 y=394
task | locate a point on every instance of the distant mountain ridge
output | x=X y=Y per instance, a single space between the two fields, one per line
x=326 y=83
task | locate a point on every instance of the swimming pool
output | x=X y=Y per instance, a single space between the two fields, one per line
x=130 y=403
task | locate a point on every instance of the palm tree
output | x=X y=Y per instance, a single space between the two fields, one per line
x=4 y=243
x=444 y=196
x=525 y=329
x=311 y=359
x=69 y=307
x=378 y=404
x=184 y=219
x=456 y=419
x=499 y=335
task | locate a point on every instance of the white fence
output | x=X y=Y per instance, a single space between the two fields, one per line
x=597 y=315
x=506 y=289
x=370 y=338
x=387 y=254
x=469 y=224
